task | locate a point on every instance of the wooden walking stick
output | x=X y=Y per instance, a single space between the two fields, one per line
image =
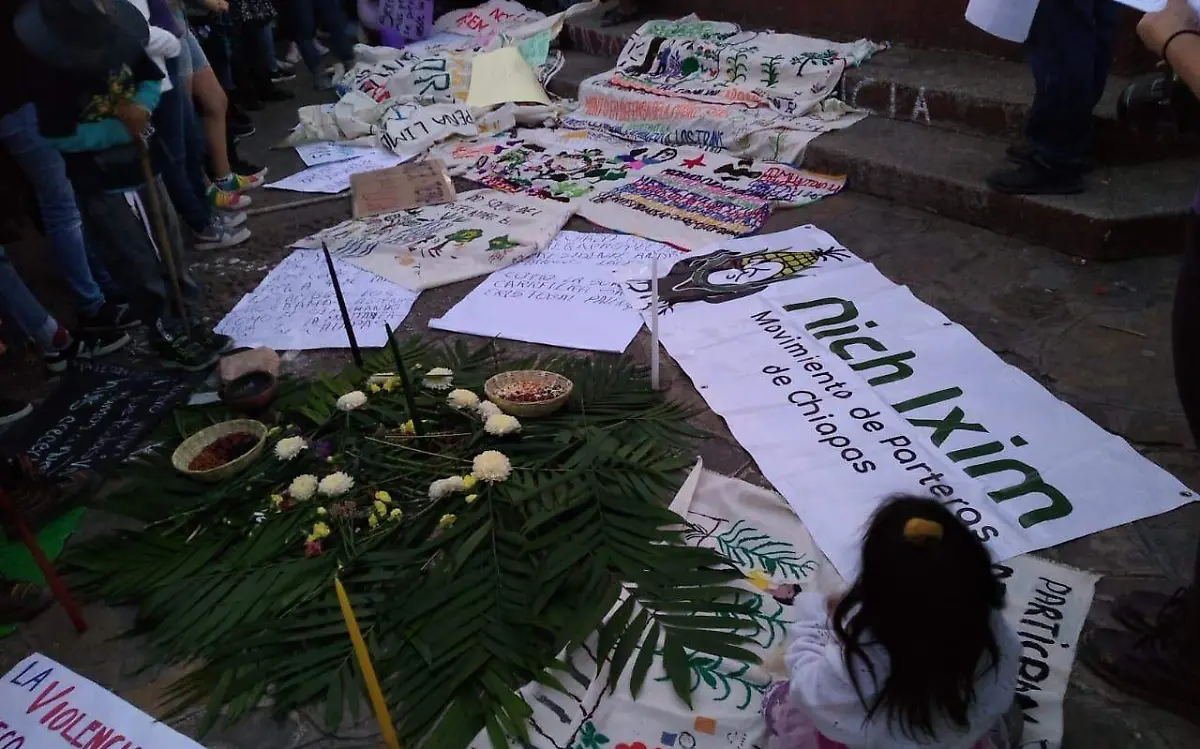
x=160 y=228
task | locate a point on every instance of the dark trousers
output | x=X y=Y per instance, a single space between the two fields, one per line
x=126 y=243
x=1185 y=347
x=305 y=15
x=1070 y=49
x=183 y=169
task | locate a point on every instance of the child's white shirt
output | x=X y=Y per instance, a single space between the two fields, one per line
x=821 y=686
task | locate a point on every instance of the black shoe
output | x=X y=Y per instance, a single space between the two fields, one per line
x=246 y=168
x=181 y=352
x=112 y=316
x=235 y=114
x=1023 y=153
x=241 y=130
x=85 y=346
x=13 y=410
x=211 y=341
x=1032 y=179
x=248 y=101
x=282 y=76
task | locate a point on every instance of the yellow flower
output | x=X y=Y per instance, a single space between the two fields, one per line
x=392 y=383
x=373 y=522
x=408 y=428
x=277 y=500
x=383 y=496
x=373 y=388
x=470 y=481
x=311 y=539
x=320 y=530
x=322 y=511
x=759 y=579
x=447 y=521
x=380 y=507
x=395 y=514
x=471 y=498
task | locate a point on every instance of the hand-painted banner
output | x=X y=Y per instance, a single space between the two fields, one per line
x=846 y=388
x=682 y=196
x=755 y=528
x=480 y=232
x=714 y=86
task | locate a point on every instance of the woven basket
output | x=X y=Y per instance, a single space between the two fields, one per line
x=194 y=445
x=505 y=382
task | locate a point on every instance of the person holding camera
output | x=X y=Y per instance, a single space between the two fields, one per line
x=1157 y=656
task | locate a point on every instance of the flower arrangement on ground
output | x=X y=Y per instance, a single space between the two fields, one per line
x=475 y=548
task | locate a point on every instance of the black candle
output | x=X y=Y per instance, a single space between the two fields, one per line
x=402 y=371
x=337 y=290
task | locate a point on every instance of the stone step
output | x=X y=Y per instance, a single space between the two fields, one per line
x=1127 y=211
x=985 y=96
x=957 y=91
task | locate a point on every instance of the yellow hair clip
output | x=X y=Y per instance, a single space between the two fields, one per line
x=920 y=530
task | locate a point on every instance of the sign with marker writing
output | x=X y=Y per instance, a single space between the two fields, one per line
x=412 y=18
x=96 y=417
x=335 y=177
x=295 y=307
x=401 y=187
x=875 y=392
x=573 y=306
x=45 y=705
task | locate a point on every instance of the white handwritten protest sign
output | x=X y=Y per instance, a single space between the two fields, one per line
x=875 y=392
x=335 y=177
x=45 y=705
x=574 y=306
x=295 y=307
x=601 y=250
x=328 y=152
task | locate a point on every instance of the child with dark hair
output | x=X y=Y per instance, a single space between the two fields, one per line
x=914 y=654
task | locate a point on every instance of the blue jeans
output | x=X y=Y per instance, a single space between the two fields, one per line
x=18 y=304
x=183 y=170
x=305 y=15
x=1070 y=50
x=44 y=167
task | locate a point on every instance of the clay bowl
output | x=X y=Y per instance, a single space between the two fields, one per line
x=250 y=393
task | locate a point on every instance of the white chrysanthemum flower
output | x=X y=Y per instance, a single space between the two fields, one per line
x=289 y=447
x=462 y=399
x=445 y=487
x=500 y=425
x=487 y=410
x=352 y=400
x=439 y=378
x=491 y=466
x=303 y=487
x=335 y=484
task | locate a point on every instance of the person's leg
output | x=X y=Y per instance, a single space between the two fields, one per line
x=44 y=167
x=169 y=121
x=1162 y=665
x=304 y=31
x=1065 y=47
x=332 y=18
x=207 y=90
x=23 y=308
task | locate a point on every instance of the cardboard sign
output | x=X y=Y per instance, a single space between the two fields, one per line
x=96 y=417
x=412 y=18
x=400 y=188
x=46 y=705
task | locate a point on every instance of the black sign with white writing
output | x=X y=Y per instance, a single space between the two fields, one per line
x=96 y=417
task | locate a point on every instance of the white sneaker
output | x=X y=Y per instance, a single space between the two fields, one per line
x=230 y=219
x=293 y=55
x=337 y=72
x=220 y=237
x=285 y=65
x=322 y=50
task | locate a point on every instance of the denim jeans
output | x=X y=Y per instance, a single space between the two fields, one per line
x=44 y=167
x=305 y=15
x=183 y=169
x=18 y=304
x=1070 y=48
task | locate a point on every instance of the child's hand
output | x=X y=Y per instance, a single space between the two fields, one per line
x=831 y=603
x=134 y=117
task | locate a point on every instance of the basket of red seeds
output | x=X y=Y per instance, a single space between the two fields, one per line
x=220 y=451
x=529 y=392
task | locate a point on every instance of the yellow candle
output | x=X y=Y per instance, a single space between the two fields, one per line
x=382 y=716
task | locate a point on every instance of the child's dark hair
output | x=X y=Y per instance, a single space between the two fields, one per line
x=926 y=593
